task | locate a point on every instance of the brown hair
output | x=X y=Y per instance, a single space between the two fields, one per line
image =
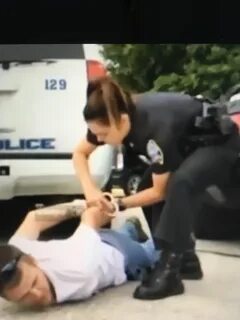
x=106 y=101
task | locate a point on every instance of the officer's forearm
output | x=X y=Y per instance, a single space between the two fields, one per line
x=80 y=162
x=143 y=198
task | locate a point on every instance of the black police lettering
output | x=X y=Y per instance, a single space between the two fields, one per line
x=27 y=144
x=47 y=144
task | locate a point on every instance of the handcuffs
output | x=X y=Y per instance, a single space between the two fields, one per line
x=76 y=208
x=116 y=202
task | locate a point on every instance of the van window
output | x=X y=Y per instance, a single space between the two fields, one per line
x=36 y=52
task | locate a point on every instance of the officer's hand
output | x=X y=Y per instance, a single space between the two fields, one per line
x=101 y=200
x=107 y=205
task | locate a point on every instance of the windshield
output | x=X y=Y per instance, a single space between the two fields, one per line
x=38 y=52
x=234 y=106
x=234 y=103
x=18 y=54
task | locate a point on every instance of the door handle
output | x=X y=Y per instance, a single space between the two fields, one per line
x=7 y=130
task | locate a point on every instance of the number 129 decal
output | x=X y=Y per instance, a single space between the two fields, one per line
x=54 y=84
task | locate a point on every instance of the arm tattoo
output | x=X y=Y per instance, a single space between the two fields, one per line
x=64 y=211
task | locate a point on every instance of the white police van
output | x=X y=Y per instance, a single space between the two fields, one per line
x=42 y=95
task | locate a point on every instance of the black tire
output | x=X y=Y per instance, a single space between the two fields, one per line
x=219 y=219
x=217 y=223
x=131 y=183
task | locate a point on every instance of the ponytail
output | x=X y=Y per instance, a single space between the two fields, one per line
x=106 y=101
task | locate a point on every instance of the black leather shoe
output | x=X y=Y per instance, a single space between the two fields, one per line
x=190 y=266
x=163 y=281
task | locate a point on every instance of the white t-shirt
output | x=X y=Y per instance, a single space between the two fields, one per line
x=78 y=266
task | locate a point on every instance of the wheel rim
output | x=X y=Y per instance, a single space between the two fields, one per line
x=133 y=184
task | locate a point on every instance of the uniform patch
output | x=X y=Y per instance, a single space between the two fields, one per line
x=155 y=152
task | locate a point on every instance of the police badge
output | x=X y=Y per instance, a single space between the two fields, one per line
x=155 y=152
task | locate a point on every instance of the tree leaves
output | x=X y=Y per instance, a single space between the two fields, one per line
x=208 y=69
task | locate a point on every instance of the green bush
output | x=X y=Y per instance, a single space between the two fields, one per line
x=208 y=69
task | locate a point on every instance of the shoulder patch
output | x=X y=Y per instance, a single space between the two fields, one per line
x=155 y=152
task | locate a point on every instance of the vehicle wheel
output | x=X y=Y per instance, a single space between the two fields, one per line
x=131 y=184
x=217 y=223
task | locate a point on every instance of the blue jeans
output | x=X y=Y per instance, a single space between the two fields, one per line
x=138 y=256
x=129 y=230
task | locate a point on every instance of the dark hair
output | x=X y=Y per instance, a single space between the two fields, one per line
x=106 y=101
x=9 y=253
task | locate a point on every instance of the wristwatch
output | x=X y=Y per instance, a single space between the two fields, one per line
x=121 y=205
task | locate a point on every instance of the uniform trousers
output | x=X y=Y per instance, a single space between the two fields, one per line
x=171 y=221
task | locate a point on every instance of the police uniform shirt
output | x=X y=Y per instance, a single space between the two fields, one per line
x=159 y=125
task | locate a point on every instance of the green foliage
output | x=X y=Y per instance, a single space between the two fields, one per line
x=208 y=69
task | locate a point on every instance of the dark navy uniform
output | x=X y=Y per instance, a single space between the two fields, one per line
x=161 y=126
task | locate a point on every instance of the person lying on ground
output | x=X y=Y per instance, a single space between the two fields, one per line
x=34 y=272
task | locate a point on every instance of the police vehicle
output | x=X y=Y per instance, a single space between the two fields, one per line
x=42 y=93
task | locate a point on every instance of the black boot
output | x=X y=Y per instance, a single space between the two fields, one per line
x=190 y=266
x=164 y=280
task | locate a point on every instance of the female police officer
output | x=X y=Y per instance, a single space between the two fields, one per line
x=157 y=125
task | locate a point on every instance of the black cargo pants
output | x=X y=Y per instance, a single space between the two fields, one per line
x=171 y=221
